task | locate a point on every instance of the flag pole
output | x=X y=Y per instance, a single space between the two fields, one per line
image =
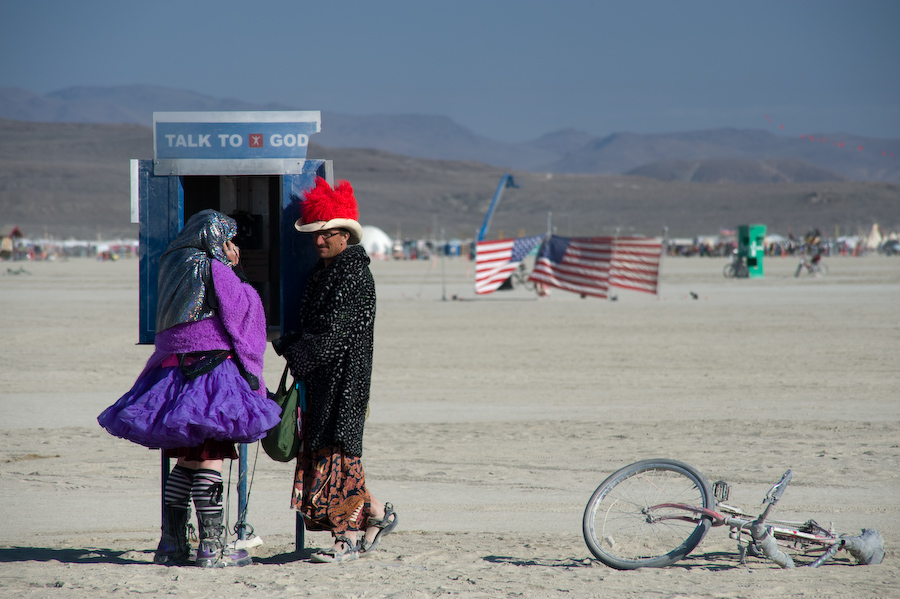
x=662 y=252
x=443 y=279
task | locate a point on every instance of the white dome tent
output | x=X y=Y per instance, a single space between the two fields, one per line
x=376 y=243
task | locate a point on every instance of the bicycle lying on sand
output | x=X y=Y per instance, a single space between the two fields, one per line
x=655 y=512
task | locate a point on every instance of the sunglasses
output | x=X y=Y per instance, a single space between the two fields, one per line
x=327 y=235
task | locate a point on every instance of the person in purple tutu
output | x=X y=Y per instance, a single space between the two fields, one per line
x=202 y=390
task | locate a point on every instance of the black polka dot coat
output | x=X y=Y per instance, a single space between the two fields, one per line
x=334 y=353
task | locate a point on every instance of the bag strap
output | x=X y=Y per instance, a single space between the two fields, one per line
x=284 y=375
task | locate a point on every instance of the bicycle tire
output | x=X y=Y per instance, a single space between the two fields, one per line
x=728 y=271
x=822 y=269
x=616 y=523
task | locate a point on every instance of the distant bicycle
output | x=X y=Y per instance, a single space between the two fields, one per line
x=736 y=269
x=519 y=279
x=815 y=269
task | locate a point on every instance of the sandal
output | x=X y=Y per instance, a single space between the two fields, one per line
x=328 y=556
x=384 y=526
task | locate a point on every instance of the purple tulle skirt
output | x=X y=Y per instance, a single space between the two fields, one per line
x=164 y=409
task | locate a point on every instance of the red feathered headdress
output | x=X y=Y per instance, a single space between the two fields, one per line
x=325 y=207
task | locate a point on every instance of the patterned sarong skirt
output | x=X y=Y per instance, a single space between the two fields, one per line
x=330 y=491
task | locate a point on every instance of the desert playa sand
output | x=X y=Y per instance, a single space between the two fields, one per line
x=492 y=422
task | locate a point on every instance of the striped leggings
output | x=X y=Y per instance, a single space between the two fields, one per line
x=205 y=486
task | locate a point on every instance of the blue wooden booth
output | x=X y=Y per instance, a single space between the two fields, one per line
x=253 y=167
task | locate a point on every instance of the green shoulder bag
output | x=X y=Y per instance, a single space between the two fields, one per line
x=282 y=442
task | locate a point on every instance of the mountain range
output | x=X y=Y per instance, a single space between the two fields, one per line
x=440 y=138
x=63 y=169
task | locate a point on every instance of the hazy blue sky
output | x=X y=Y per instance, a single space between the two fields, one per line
x=508 y=70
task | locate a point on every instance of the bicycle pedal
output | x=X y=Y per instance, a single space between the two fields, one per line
x=721 y=490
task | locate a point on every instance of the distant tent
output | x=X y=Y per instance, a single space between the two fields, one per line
x=776 y=244
x=850 y=243
x=11 y=232
x=8 y=237
x=376 y=243
x=873 y=241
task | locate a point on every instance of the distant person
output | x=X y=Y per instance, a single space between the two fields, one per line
x=814 y=246
x=202 y=389
x=332 y=353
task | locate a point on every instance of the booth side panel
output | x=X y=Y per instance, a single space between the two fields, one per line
x=757 y=235
x=298 y=256
x=161 y=218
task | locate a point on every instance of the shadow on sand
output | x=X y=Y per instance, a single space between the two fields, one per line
x=92 y=555
x=705 y=561
x=286 y=558
x=97 y=555
x=572 y=562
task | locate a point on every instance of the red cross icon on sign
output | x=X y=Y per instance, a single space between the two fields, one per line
x=256 y=140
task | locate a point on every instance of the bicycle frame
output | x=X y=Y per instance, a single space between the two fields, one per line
x=807 y=536
x=740 y=521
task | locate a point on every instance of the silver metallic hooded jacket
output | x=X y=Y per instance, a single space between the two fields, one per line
x=185 y=273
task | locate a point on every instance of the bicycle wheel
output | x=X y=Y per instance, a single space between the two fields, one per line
x=728 y=271
x=520 y=281
x=621 y=530
x=799 y=270
x=821 y=269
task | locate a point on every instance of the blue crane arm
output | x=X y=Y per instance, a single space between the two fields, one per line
x=505 y=181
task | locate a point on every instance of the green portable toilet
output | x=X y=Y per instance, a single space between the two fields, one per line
x=752 y=247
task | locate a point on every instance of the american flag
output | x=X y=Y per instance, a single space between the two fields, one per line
x=495 y=261
x=590 y=265
x=635 y=263
x=579 y=264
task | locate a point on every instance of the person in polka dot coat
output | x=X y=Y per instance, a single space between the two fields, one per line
x=332 y=354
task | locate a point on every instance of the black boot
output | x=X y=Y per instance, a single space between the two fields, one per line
x=212 y=552
x=173 y=548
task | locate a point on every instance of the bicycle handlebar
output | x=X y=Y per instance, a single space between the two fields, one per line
x=867 y=548
x=829 y=553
